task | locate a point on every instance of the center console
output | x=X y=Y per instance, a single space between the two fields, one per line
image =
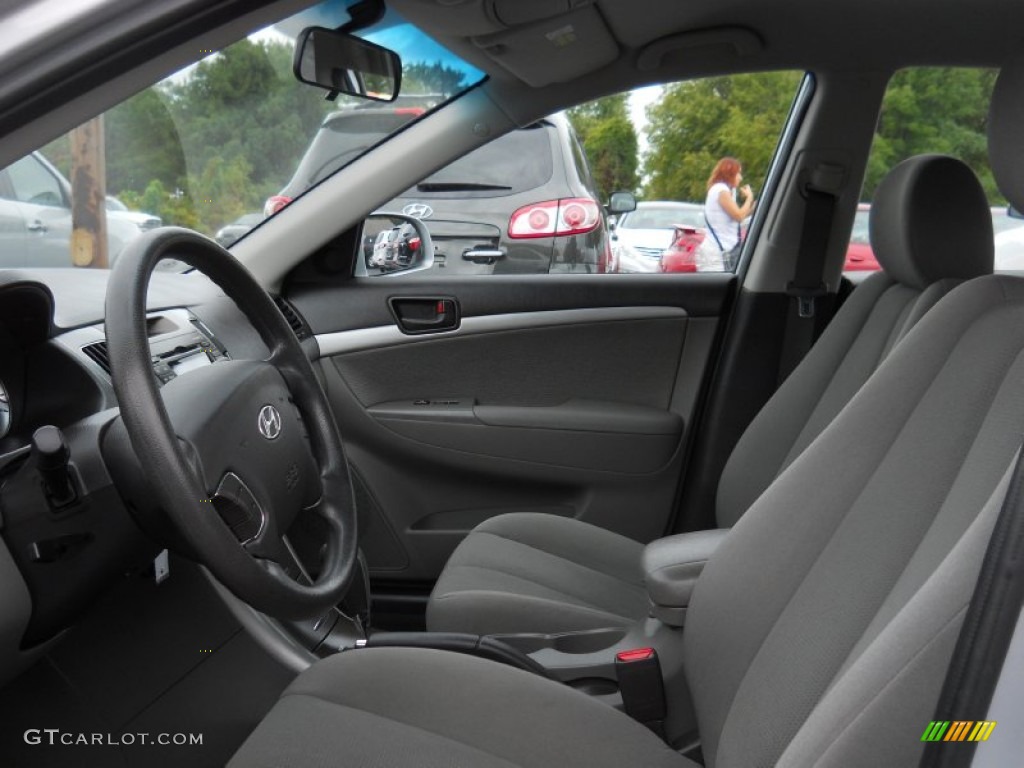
x=599 y=662
x=178 y=342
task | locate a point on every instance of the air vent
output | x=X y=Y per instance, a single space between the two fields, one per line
x=293 y=317
x=97 y=352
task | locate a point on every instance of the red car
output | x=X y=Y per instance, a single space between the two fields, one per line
x=681 y=256
x=859 y=256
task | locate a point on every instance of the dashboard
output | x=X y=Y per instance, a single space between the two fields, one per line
x=62 y=545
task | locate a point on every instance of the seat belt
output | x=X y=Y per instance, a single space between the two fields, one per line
x=985 y=635
x=807 y=315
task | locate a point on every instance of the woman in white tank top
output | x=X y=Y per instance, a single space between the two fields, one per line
x=723 y=215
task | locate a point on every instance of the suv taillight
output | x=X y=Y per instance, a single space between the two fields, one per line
x=570 y=216
x=275 y=203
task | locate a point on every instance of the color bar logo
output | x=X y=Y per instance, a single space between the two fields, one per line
x=958 y=730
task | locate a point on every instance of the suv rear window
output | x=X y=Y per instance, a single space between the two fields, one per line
x=513 y=163
x=344 y=137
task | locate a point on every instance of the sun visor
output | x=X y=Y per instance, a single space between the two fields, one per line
x=555 y=49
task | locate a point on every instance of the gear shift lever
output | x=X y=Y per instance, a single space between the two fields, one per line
x=52 y=454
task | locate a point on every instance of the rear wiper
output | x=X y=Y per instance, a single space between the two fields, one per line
x=458 y=186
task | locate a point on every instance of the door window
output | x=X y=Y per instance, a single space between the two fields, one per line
x=33 y=183
x=531 y=201
x=935 y=110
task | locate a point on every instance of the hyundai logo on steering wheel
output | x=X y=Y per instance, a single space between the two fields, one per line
x=269 y=422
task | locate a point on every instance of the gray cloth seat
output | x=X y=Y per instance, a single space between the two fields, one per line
x=432 y=709
x=821 y=630
x=528 y=573
x=818 y=634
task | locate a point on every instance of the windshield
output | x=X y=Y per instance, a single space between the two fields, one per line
x=664 y=216
x=213 y=147
x=518 y=161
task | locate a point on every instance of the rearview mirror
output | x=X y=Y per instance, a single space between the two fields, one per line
x=345 y=64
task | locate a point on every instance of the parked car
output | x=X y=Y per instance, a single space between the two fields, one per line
x=229 y=233
x=202 y=495
x=1007 y=229
x=35 y=216
x=145 y=221
x=393 y=248
x=681 y=255
x=859 y=256
x=524 y=203
x=1009 y=253
x=343 y=136
x=640 y=237
x=1008 y=226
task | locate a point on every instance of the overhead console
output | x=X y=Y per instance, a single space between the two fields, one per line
x=541 y=48
x=536 y=41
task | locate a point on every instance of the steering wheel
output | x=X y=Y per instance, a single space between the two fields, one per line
x=237 y=450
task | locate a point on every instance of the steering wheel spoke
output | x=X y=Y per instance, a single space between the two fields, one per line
x=237 y=426
x=275 y=555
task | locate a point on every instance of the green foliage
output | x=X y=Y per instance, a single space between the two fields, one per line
x=931 y=109
x=142 y=143
x=699 y=121
x=174 y=209
x=204 y=149
x=420 y=77
x=610 y=141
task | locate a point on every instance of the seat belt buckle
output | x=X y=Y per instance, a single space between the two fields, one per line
x=642 y=687
x=805 y=297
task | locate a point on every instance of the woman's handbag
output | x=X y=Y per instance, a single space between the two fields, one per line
x=722 y=260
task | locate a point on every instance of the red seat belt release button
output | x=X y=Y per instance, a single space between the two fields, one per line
x=642 y=687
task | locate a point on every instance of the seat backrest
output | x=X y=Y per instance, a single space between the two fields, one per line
x=931 y=228
x=821 y=630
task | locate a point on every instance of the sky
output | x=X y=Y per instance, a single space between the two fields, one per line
x=638 y=102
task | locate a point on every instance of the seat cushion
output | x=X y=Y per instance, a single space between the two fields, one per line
x=403 y=706
x=530 y=572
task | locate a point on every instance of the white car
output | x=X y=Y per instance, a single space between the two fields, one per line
x=118 y=210
x=1009 y=242
x=641 y=236
x=208 y=479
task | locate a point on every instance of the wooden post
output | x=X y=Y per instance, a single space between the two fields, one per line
x=88 y=196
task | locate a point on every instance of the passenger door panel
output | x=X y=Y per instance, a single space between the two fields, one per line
x=572 y=406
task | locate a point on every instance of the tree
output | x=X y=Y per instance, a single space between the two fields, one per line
x=174 y=208
x=698 y=122
x=421 y=77
x=143 y=143
x=932 y=109
x=610 y=142
x=925 y=109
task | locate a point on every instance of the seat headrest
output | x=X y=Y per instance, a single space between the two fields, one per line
x=1005 y=123
x=930 y=220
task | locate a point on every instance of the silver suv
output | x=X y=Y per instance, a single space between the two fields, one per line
x=35 y=217
x=523 y=203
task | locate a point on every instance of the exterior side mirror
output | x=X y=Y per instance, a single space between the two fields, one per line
x=394 y=243
x=621 y=202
